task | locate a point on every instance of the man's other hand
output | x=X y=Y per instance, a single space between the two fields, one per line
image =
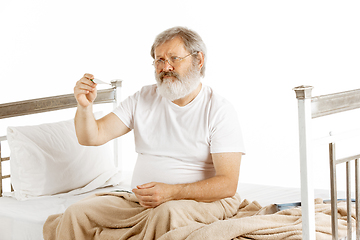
x=153 y=194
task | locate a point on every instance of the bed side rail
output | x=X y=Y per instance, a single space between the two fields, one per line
x=47 y=104
x=334 y=211
x=335 y=103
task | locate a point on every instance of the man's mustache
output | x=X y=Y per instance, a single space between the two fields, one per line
x=168 y=74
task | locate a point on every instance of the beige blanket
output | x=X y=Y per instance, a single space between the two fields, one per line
x=247 y=221
x=255 y=222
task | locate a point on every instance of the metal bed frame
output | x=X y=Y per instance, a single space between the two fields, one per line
x=313 y=107
x=308 y=108
x=40 y=105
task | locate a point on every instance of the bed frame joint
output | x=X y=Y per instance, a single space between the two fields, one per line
x=303 y=91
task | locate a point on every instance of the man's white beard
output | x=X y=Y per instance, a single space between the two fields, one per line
x=180 y=87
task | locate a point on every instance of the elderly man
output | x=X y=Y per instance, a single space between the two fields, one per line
x=188 y=141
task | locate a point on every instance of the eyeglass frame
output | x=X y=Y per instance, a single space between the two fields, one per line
x=167 y=60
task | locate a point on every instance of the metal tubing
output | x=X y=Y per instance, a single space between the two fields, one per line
x=348 y=200
x=334 y=222
x=1 y=187
x=303 y=95
x=118 y=141
x=357 y=198
x=335 y=103
x=347 y=159
x=47 y=104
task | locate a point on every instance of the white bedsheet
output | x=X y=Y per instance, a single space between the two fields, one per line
x=20 y=220
x=23 y=220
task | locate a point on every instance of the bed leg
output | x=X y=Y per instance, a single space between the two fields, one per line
x=357 y=198
x=348 y=200
x=303 y=95
x=116 y=84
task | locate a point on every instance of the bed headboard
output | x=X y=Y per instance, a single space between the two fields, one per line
x=310 y=107
x=40 y=105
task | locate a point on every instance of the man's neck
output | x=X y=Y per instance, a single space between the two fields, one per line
x=189 y=98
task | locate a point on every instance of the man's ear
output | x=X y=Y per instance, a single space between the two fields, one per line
x=200 y=56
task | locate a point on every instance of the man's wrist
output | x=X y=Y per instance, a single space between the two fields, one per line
x=85 y=109
x=179 y=192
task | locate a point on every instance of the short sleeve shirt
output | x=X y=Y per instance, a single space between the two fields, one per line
x=174 y=144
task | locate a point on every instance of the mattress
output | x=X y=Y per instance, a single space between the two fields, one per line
x=265 y=194
x=20 y=220
x=23 y=220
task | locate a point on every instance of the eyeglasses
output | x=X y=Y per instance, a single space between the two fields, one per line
x=173 y=61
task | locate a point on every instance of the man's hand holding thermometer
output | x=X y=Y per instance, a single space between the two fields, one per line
x=85 y=90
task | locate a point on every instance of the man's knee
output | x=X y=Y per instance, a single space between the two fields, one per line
x=179 y=209
x=190 y=209
x=169 y=209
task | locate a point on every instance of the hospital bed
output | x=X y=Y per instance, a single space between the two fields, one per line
x=23 y=212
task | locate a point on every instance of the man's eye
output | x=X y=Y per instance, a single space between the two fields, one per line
x=175 y=59
x=158 y=61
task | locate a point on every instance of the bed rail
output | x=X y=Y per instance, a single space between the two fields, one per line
x=313 y=107
x=335 y=103
x=3 y=159
x=47 y=104
x=334 y=211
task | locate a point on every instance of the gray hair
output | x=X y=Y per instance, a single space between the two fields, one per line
x=192 y=41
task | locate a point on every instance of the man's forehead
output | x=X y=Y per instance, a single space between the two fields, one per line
x=174 y=46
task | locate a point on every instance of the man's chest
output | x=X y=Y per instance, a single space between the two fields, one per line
x=166 y=131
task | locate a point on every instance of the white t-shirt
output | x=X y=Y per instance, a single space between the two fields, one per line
x=174 y=144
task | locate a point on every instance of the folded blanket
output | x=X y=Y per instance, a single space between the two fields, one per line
x=179 y=220
x=255 y=222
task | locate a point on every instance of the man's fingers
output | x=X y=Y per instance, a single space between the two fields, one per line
x=150 y=194
x=146 y=199
x=86 y=87
x=86 y=81
x=148 y=203
x=88 y=76
x=142 y=192
x=146 y=185
x=85 y=90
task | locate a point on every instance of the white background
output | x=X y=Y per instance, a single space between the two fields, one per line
x=257 y=52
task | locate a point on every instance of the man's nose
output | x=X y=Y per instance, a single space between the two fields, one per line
x=168 y=66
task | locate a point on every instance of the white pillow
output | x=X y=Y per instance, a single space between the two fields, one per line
x=47 y=159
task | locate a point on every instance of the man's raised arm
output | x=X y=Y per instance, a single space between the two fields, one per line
x=91 y=132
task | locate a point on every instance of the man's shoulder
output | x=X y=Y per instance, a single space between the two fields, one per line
x=148 y=89
x=215 y=99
